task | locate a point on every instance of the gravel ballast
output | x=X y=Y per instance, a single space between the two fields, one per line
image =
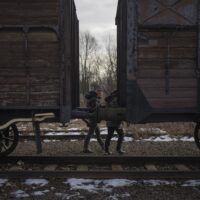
x=58 y=189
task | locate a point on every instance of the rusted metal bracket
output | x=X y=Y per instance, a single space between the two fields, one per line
x=167 y=67
x=65 y=63
x=26 y=65
x=198 y=59
x=38 y=141
x=26 y=28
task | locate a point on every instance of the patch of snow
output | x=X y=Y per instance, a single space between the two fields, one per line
x=75 y=120
x=168 y=138
x=46 y=129
x=76 y=133
x=93 y=140
x=114 y=139
x=39 y=193
x=104 y=132
x=125 y=195
x=118 y=183
x=126 y=139
x=3 y=181
x=83 y=184
x=163 y=138
x=68 y=196
x=73 y=129
x=191 y=183
x=113 y=197
x=94 y=186
x=20 y=194
x=187 y=139
x=73 y=140
x=118 y=196
x=48 y=141
x=53 y=133
x=158 y=182
x=153 y=130
x=37 y=182
x=62 y=133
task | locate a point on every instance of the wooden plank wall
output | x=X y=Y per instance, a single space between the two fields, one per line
x=167 y=56
x=121 y=22
x=29 y=12
x=32 y=82
x=153 y=57
x=44 y=69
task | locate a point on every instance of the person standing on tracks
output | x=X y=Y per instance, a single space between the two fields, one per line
x=93 y=102
x=113 y=126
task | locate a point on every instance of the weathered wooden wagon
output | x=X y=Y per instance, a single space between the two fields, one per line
x=159 y=60
x=39 y=64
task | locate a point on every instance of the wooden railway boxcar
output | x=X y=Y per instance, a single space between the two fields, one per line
x=159 y=59
x=39 y=58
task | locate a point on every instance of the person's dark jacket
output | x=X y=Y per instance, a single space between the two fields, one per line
x=92 y=100
x=112 y=102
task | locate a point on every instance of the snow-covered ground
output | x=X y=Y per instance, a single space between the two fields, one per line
x=161 y=136
x=38 y=182
x=168 y=138
x=40 y=187
x=3 y=181
x=153 y=130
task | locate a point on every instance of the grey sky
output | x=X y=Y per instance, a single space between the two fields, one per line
x=97 y=16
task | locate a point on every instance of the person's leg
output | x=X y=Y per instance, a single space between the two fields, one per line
x=108 y=139
x=88 y=137
x=98 y=134
x=120 y=140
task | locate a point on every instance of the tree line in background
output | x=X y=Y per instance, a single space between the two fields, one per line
x=98 y=63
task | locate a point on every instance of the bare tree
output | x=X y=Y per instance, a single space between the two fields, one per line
x=88 y=54
x=109 y=78
x=98 y=67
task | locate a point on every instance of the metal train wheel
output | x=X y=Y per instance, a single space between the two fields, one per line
x=8 y=140
x=197 y=135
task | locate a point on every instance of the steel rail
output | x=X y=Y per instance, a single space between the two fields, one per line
x=63 y=137
x=113 y=173
x=101 y=160
x=136 y=175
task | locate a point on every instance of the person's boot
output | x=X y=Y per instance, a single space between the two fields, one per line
x=107 y=152
x=87 y=151
x=86 y=145
x=106 y=148
x=119 y=151
x=102 y=147
x=119 y=144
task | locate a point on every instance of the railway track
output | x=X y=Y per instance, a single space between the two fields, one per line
x=63 y=137
x=101 y=167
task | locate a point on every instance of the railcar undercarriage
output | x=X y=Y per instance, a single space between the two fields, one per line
x=9 y=133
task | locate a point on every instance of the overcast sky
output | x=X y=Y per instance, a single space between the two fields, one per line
x=97 y=16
